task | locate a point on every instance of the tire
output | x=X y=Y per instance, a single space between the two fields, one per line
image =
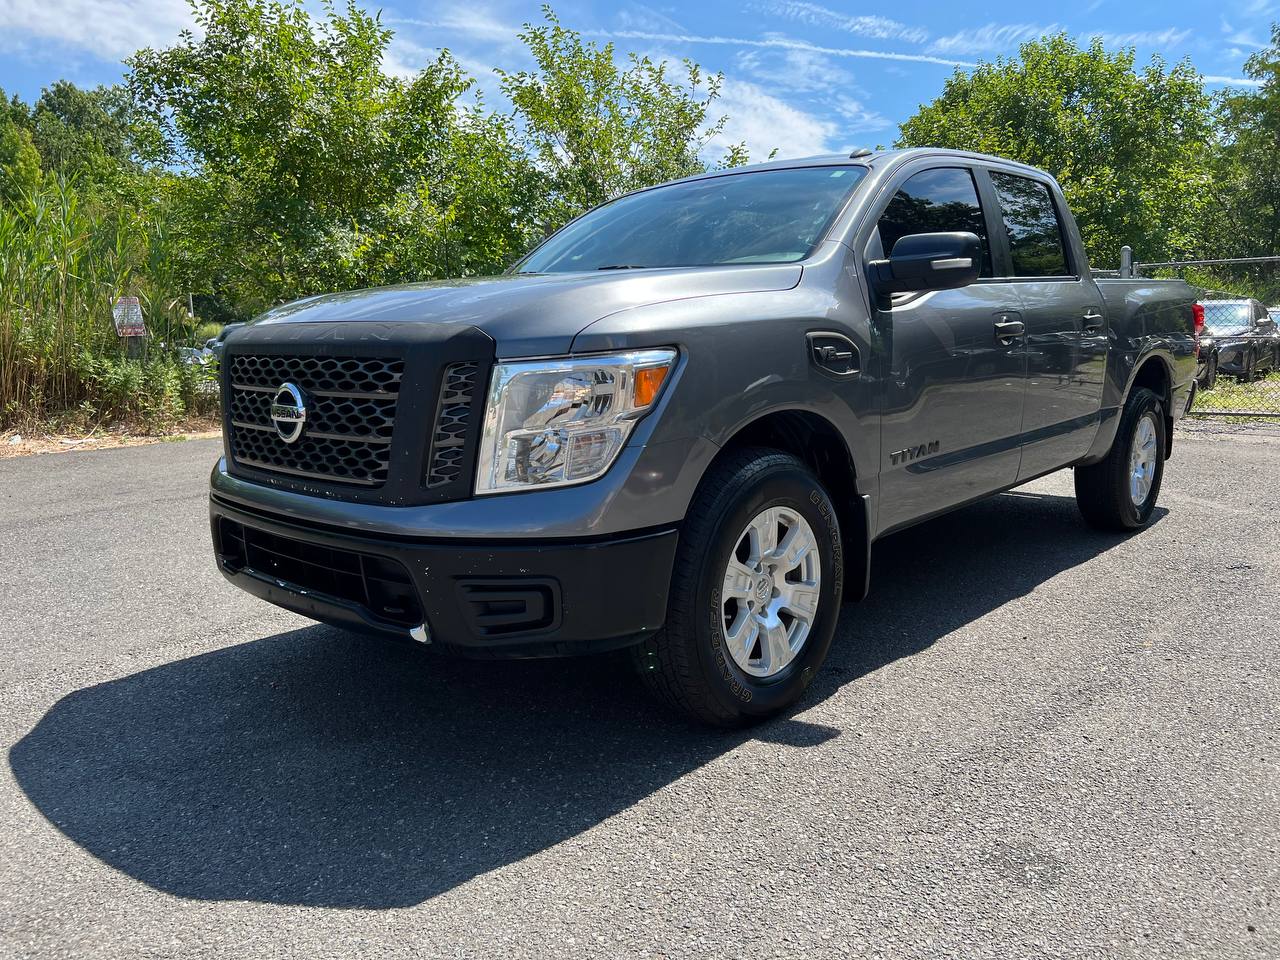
x=690 y=664
x=1210 y=372
x=1104 y=490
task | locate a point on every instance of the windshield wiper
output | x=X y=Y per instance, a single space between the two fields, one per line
x=623 y=266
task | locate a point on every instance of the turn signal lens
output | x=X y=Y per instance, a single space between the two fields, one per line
x=649 y=383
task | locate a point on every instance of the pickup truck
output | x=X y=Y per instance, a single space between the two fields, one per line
x=679 y=423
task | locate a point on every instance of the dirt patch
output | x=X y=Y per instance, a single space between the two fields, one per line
x=18 y=444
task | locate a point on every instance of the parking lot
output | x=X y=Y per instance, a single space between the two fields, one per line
x=1032 y=740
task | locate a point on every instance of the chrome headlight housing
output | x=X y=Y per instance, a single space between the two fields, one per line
x=551 y=423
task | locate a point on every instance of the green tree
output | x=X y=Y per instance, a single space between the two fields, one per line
x=1130 y=147
x=278 y=124
x=595 y=129
x=1247 y=175
x=19 y=162
x=307 y=168
x=90 y=134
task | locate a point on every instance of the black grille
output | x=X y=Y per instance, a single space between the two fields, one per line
x=449 y=440
x=351 y=412
x=376 y=584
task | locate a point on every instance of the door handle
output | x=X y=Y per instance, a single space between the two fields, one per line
x=1092 y=320
x=1009 y=330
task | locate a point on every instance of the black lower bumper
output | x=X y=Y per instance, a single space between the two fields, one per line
x=485 y=598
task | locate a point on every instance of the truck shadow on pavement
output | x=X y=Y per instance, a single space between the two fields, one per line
x=316 y=768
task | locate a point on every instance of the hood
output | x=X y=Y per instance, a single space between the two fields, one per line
x=536 y=315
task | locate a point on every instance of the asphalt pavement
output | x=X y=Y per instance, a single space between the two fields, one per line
x=1032 y=740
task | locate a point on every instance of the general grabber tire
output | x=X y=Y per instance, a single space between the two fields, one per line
x=1119 y=493
x=755 y=593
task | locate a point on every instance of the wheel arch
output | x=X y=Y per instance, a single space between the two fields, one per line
x=818 y=442
x=1155 y=372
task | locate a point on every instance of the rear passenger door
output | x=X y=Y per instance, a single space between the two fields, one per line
x=952 y=369
x=1066 y=335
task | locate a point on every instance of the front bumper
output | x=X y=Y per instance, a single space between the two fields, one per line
x=496 y=598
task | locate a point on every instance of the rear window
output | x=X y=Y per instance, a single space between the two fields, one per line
x=1032 y=225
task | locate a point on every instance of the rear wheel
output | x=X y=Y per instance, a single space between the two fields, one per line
x=1120 y=492
x=755 y=593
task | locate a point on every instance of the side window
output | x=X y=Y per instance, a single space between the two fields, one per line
x=936 y=201
x=1030 y=220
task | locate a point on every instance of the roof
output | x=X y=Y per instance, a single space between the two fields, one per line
x=874 y=158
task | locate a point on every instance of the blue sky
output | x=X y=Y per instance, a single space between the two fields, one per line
x=804 y=77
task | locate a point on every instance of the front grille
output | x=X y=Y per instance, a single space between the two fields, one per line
x=351 y=412
x=376 y=584
x=453 y=418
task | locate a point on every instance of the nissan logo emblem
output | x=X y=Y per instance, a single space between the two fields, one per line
x=289 y=412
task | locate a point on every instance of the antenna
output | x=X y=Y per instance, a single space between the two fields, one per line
x=860 y=153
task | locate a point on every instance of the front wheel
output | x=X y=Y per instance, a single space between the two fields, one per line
x=755 y=593
x=1210 y=372
x=1246 y=366
x=1119 y=493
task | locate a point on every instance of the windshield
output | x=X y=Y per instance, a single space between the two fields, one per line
x=767 y=216
x=1225 y=317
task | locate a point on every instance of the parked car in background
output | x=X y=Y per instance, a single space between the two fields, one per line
x=1244 y=337
x=214 y=344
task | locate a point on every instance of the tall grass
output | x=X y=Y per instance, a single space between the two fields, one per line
x=63 y=261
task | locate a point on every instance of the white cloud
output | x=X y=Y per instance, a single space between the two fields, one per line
x=475 y=22
x=778 y=43
x=881 y=28
x=1002 y=38
x=765 y=122
x=794 y=71
x=1145 y=38
x=993 y=38
x=111 y=29
x=804 y=73
x=1233 y=81
x=1240 y=38
x=638 y=16
x=858 y=117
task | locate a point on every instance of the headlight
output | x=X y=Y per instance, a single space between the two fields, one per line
x=548 y=423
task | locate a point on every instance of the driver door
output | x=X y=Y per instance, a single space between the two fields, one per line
x=954 y=376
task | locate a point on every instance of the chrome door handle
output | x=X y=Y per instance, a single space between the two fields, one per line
x=1008 y=330
x=1092 y=321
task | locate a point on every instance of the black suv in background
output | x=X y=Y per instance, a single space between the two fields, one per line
x=1240 y=339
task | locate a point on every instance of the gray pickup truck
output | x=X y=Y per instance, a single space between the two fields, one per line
x=680 y=422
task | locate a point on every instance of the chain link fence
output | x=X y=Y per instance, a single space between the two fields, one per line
x=1239 y=369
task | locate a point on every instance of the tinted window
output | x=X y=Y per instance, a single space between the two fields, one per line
x=770 y=216
x=936 y=201
x=1031 y=222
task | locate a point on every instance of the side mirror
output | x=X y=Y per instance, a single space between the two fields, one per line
x=929 y=261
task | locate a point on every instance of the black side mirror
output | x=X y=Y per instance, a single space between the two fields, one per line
x=929 y=261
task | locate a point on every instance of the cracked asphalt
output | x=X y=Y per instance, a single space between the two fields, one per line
x=1032 y=740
